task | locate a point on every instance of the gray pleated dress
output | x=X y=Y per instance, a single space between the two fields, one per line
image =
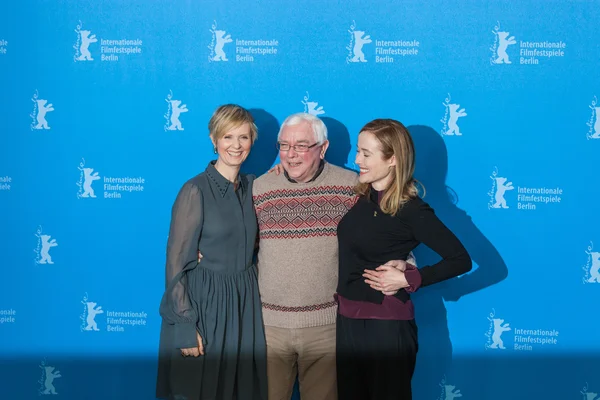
x=217 y=297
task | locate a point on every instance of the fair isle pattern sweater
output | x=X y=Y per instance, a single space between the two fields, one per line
x=298 y=248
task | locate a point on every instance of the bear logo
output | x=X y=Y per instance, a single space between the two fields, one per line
x=86 y=40
x=89 y=177
x=46 y=245
x=359 y=42
x=499 y=329
x=42 y=109
x=501 y=188
x=50 y=375
x=451 y=394
x=594 y=268
x=311 y=108
x=505 y=41
x=596 y=134
x=92 y=311
x=455 y=114
x=176 y=111
x=221 y=41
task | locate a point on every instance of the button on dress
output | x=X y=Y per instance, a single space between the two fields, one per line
x=217 y=297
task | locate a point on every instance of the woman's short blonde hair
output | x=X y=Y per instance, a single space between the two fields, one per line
x=228 y=117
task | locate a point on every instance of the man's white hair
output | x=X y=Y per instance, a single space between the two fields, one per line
x=316 y=123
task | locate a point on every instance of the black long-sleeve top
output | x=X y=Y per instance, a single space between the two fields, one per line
x=368 y=238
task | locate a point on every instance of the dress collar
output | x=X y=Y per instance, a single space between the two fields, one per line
x=223 y=183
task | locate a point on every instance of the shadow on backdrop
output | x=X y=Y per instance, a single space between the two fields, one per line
x=339 y=143
x=434 y=359
x=264 y=152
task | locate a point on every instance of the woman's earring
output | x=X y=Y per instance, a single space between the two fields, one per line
x=215 y=150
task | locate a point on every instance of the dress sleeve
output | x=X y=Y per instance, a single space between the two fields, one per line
x=176 y=307
x=429 y=230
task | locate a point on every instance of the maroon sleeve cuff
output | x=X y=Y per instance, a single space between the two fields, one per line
x=413 y=277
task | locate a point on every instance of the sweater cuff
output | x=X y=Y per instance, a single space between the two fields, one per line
x=185 y=335
x=412 y=260
x=413 y=277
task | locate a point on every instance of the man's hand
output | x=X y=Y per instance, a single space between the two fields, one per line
x=398 y=264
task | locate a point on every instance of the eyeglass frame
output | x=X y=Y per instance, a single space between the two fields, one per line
x=278 y=145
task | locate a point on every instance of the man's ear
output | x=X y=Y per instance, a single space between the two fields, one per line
x=324 y=148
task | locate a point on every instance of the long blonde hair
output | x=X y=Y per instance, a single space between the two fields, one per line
x=394 y=140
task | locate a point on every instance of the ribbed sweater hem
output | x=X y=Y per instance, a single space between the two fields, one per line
x=306 y=319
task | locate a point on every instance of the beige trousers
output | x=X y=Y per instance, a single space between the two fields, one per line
x=308 y=352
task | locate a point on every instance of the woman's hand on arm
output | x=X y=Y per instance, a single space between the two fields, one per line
x=387 y=278
x=278 y=169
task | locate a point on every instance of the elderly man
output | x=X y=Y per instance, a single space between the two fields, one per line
x=298 y=213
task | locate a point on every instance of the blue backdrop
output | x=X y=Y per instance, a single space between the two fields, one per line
x=104 y=111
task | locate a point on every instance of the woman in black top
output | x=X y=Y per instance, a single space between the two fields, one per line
x=376 y=331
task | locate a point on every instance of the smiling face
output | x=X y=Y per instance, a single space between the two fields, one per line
x=374 y=168
x=234 y=146
x=301 y=166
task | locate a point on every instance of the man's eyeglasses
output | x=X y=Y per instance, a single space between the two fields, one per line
x=299 y=148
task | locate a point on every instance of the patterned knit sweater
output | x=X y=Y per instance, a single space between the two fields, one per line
x=298 y=248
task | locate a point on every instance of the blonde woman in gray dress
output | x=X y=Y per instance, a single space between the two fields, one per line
x=212 y=343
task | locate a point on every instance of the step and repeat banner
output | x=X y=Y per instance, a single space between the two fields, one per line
x=104 y=113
